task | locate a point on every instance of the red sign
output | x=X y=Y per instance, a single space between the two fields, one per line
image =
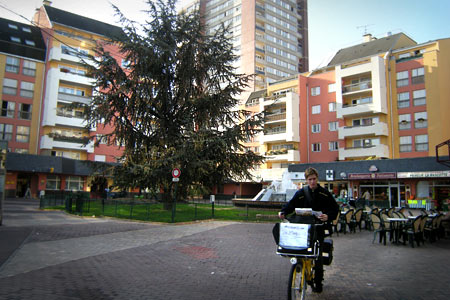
x=176 y=173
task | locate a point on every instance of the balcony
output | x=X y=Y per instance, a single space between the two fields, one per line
x=286 y=155
x=356 y=110
x=356 y=87
x=58 y=55
x=361 y=152
x=53 y=141
x=69 y=119
x=275 y=118
x=378 y=129
x=74 y=98
x=67 y=76
x=268 y=174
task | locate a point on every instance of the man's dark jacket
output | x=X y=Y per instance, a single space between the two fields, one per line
x=322 y=200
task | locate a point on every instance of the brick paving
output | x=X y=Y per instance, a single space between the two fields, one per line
x=108 y=259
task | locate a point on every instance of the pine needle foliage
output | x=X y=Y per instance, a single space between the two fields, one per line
x=174 y=105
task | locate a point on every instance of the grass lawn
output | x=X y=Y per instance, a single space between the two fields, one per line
x=185 y=212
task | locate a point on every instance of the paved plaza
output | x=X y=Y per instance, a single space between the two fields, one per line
x=53 y=255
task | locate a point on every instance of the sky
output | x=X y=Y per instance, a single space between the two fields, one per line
x=332 y=24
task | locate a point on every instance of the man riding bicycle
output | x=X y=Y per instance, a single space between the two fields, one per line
x=319 y=199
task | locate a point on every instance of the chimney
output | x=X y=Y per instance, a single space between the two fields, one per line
x=368 y=38
x=47 y=2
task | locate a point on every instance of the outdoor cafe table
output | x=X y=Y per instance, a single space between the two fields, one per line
x=397 y=226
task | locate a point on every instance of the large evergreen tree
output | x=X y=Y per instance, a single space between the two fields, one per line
x=175 y=105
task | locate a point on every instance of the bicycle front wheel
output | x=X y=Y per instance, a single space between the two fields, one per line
x=297 y=282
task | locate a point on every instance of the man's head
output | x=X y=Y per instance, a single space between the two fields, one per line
x=312 y=176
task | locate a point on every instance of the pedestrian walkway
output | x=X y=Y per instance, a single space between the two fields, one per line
x=67 y=257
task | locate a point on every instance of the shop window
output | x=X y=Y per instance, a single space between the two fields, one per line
x=74 y=183
x=53 y=182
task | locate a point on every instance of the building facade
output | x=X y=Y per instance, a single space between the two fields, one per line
x=70 y=38
x=383 y=99
x=270 y=37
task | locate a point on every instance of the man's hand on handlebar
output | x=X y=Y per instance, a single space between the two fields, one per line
x=281 y=215
x=323 y=217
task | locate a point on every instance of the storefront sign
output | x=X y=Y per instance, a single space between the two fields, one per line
x=430 y=174
x=356 y=176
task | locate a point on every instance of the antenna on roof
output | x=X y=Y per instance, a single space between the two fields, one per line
x=365 y=28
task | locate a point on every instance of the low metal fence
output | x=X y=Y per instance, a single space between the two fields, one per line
x=151 y=210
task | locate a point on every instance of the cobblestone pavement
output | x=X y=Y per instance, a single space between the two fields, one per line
x=58 y=256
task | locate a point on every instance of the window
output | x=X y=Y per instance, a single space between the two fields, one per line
x=23 y=134
x=25 y=111
x=315 y=109
x=333 y=126
x=100 y=158
x=74 y=183
x=30 y=43
x=421 y=142
x=8 y=108
x=365 y=121
x=332 y=88
x=15 y=39
x=315 y=91
x=366 y=143
x=403 y=100
x=53 y=182
x=315 y=128
x=12 y=64
x=417 y=75
x=404 y=121
x=29 y=68
x=333 y=146
x=26 y=89
x=419 y=97
x=405 y=144
x=316 y=147
x=402 y=78
x=404 y=55
x=101 y=140
x=125 y=64
x=331 y=106
x=6 y=132
x=13 y=26
x=9 y=86
x=420 y=120
x=26 y=29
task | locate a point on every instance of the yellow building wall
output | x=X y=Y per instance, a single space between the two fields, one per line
x=437 y=83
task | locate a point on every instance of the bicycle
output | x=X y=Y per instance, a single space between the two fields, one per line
x=302 y=247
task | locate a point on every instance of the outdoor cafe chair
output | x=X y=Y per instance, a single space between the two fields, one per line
x=423 y=222
x=357 y=219
x=430 y=229
x=335 y=223
x=390 y=212
x=378 y=228
x=413 y=232
x=346 y=220
x=387 y=225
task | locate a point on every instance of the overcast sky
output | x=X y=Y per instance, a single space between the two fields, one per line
x=333 y=24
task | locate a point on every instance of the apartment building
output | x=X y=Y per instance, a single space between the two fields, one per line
x=22 y=64
x=270 y=36
x=70 y=38
x=22 y=56
x=386 y=99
